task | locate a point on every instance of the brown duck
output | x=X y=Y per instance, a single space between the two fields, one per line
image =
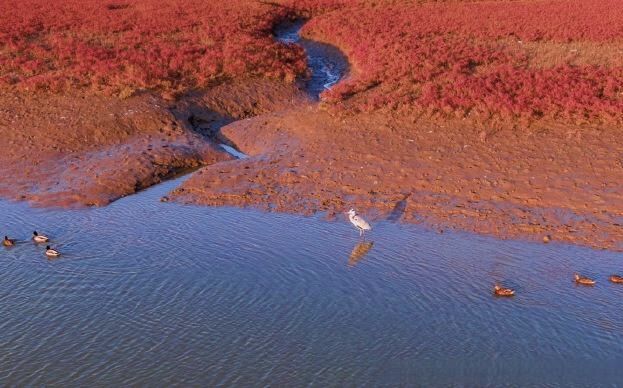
x=501 y=291
x=8 y=242
x=616 y=279
x=584 y=280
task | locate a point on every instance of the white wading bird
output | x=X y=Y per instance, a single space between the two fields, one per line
x=359 y=222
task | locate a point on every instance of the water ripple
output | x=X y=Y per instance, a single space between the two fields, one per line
x=151 y=293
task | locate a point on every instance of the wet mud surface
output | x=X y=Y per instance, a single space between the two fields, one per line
x=553 y=183
x=89 y=151
x=83 y=150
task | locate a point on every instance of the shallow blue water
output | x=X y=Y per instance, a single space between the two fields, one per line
x=152 y=293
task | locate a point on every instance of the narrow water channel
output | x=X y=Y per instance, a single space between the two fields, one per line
x=326 y=63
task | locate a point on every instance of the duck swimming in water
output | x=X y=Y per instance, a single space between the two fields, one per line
x=616 y=279
x=501 y=291
x=8 y=242
x=49 y=252
x=39 y=238
x=584 y=280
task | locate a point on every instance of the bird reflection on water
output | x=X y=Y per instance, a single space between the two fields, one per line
x=359 y=252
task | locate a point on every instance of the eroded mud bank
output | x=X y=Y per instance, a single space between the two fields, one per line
x=556 y=182
x=84 y=150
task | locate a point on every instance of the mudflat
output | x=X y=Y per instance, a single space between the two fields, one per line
x=545 y=182
x=85 y=150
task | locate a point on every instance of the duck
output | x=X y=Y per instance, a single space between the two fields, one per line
x=616 y=279
x=584 y=280
x=51 y=252
x=39 y=238
x=501 y=291
x=8 y=242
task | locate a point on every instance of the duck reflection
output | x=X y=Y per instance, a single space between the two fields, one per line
x=358 y=253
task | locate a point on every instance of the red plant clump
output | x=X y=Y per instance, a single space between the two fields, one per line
x=521 y=58
x=121 y=45
x=477 y=58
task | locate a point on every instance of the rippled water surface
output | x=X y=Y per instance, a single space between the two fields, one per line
x=155 y=294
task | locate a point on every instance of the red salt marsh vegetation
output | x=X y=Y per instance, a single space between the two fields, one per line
x=117 y=47
x=561 y=59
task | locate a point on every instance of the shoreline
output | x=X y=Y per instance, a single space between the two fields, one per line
x=509 y=185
